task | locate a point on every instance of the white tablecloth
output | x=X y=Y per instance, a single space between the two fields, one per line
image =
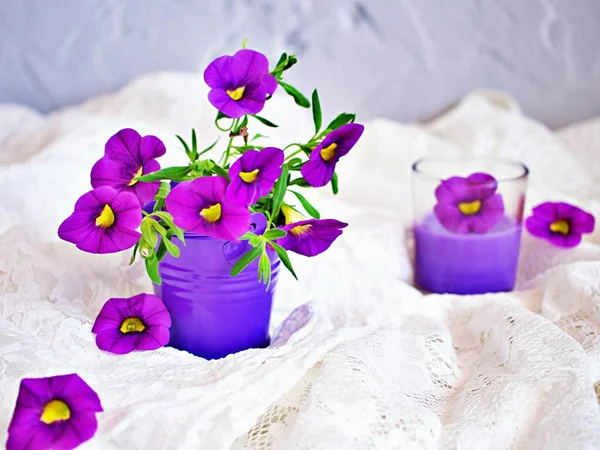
x=364 y=361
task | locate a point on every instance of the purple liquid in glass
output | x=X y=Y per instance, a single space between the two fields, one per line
x=454 y=263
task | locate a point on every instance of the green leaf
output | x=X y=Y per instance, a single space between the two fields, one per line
x=291 y=60
x=275 y=233
x=295 y=163
x=168 y=219
x=241 y=125
x=171 y=248
x=341 y=119
x=148 y=234
x=282 y=59
x=279 y=189
x=245 y=261
x=334 y=183
x=152 y=268
x=220 y=171
x=264 y=268
x=209 y=148
x=283 y=256
x=176 y=173
x=162 y=251
x=265 y=121
x=245 y=43
x=194 y=145
x=316 y=110
x=299 y=182
x=135 y=250
x=258 y=136
x=310 y=209
x=300 y=99
x=185 y=146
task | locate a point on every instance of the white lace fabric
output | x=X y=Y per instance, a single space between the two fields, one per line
x=360 y=359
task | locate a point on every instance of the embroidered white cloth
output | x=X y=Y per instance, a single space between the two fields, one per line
x=364 y=361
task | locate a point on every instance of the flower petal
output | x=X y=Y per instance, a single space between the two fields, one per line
x=151 y=148
x=73 y=390
x=116 y=342
x=110 y=172
x=125 y=146
x=150 y=309
x=224 y=103
x=317 y=172
x=153 y=337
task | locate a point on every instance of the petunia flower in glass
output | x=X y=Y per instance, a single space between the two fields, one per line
x=469 y=205
x=318 y=171
x=140 y=322
x=202 y=206
x=560 y=223
x=254 y=174
x=240 y=83
x=127 y=156
x=308 y=237
x=104 y=221
x=53 y=413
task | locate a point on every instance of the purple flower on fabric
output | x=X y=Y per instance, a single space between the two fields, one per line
x=55 y=412
x=127 y=155
x=469 y=205
x=254 y=174
x=240 y=83
x=140 y=322
x=104 y=221
x=560 y=223
x=321 y=165
x=201 y=206
x=308 y=237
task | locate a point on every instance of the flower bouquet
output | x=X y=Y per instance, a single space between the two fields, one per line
x=214 y=232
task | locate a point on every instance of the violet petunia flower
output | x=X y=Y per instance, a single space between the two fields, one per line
x=127 y=155
x=240 y=83
x=321 y=165
x=254 y=174
x=55 y=412
x=308 y=237
x=201 y=206
x=469 y=205
x=560 y=223
x=140 y=322
x=104 y=221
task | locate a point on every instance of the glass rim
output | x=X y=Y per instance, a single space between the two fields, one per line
x=508 y=161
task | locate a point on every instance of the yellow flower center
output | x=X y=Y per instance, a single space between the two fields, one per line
x=470 y=208
x=249 y=177
x=54 y=411
x=560 y=226
x=212 y=213
x=106 y=217
x=300 y=229
x=290 y=214
x=236 y=94
x=135 y=175
x=132 y=324
x=328 y=153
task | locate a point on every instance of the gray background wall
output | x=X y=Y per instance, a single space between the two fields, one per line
x=402 y=59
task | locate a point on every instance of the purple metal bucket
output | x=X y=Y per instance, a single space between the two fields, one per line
x=212 y=313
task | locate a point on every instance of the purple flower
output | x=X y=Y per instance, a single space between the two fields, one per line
x=469 y=205
x=240 y=83
x=202 y=206
x=54 y=412
x=127 y=155
x=104 y=221
x=561 y=224
x=321 y=165
x=308 y=237
x=254 y=174
x=140 y=322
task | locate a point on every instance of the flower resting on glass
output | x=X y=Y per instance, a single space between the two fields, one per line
x=127 y=156
x=140 y=322
x=469 y=205
x=308 y=237
x=55 y=412
x=560 y=223
x=240 y=83
x=254 y=174
x=104 y=221
x=318 y=171
x=202 y=206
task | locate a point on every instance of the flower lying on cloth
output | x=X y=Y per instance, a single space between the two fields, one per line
x=254 y=174
x=240 y=83
x=140 y=322
x=104 y=221
x=127 y=156
x=560 y=223
x=202 y=206
x=469 y=205
x=308 y=237
x=53 y=413
x=318 y=171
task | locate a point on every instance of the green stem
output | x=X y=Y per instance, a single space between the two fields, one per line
x=291 y=155
x=228 y=149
